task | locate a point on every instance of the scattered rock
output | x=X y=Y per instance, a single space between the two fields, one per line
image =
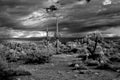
x=77 y=71
x=52 y=64
x=96 y=73
x=118 y=71
x=81 y=67
x=83 y=71
x=75 y=76
x=59 y=72
x=77 y=66
x=92 y=63
x=68 y=72
x=18 y=79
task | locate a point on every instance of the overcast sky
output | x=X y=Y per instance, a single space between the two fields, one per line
x=27 y=18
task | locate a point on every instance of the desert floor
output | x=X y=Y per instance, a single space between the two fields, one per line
x=58 y=69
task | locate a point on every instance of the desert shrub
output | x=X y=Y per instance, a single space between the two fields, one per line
x=5 y=74
x=35 y=58
x=7 y=70
x=30 y=52
x=28 y=57
x=79 y=66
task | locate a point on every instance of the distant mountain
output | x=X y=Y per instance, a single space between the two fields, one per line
x=113 y=38
x=62 y=39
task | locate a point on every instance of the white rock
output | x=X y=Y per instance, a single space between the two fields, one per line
x=76 y=65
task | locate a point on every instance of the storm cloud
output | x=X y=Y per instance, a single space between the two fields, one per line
x=30 y=15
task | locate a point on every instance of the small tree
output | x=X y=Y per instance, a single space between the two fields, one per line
x=93 y=38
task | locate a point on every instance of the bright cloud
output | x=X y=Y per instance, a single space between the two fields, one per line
x=82 y=2
x=16 y=34
x=29 y=34
x=50 y=2
x=34 y=18
x=107 y=2
x=115 y=31
x=110 y=35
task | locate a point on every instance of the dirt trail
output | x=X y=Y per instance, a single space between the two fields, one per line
x=58 y=69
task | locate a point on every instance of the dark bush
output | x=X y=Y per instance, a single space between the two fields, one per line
x=108 y=66
x=115 y=58
x=5 y=73
x=36 y=58
x=8 y=72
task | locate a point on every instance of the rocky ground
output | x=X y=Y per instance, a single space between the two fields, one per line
x=59 y=69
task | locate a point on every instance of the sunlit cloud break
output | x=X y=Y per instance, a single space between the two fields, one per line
x=111 y=35
x=29 y=34
x=107 y=2
x=50 y=2
x=34 y=18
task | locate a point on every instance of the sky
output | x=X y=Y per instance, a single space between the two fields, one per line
x=28 y=18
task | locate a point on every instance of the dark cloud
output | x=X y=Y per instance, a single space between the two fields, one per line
x=10 y=10
x=77 y=18
x=86 y=25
